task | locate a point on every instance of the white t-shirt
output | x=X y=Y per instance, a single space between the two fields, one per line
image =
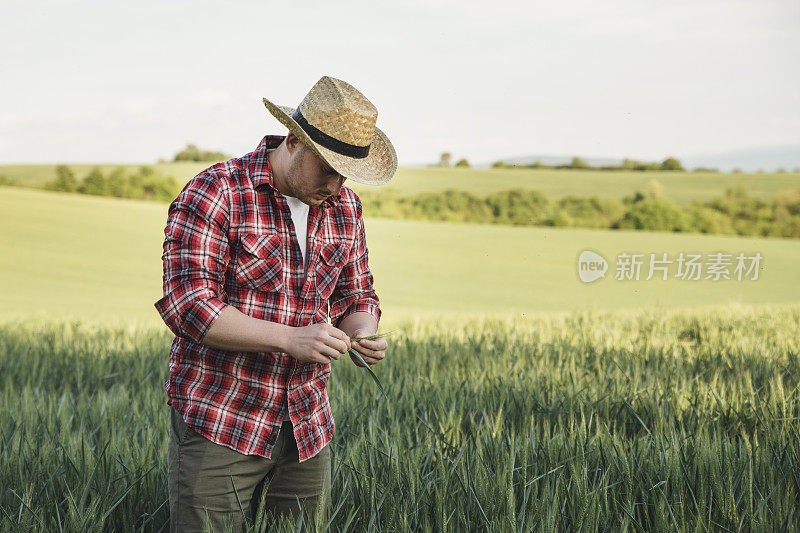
x=300 y=220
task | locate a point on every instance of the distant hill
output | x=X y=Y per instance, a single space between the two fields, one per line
x=749 y=160
x=558 y=160
x=768 y=159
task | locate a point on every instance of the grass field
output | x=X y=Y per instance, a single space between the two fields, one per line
x=519 y=398
x=77 y=256
x=681 y=187
x=653 y=421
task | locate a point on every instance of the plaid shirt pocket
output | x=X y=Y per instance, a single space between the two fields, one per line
x=258 y=263
x=333 y=258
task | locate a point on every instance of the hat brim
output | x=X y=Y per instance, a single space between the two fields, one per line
x=375 y=169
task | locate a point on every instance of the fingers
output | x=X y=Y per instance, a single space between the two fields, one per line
x=330 y=351
x=319 y=343
x=372 y=350
x=367 y=359
x=322 y=357
x=367 y=352
x=375 y=348
x=371 y=355
x=374 y=345
x=331 y=342
x=336 y=334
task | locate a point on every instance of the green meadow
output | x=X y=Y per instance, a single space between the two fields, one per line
x=69 y=255
x=518 y=397
x=592 y=421
x=681 y=187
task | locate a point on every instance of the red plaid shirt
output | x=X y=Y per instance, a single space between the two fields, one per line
x=230 y=240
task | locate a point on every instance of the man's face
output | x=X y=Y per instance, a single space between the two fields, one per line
x=310 y=179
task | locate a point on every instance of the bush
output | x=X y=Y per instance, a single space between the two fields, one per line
x=559 y=219
x=788 y=199
x=634 y=198
x=146 y=184
x=519 y=207
x=791 y=228
x=632 y=164
x=462 y=163
x=577 y=162
x=5 y=180
x=65 y=180
x=671 y=163
x=95 y=183
x=118 y=185
x=590 y=212
x=655 y=214
x=193 y=153
x=746 y=214
x=707 y=220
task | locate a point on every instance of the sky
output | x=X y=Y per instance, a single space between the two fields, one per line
x=132 y=82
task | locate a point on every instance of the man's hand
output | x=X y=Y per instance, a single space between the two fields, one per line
x=317 y=343
x=371 y=350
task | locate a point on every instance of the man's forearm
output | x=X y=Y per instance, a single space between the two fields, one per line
x=236 y=331
x=359 y=321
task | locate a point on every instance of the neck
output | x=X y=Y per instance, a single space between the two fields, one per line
x=277 y=161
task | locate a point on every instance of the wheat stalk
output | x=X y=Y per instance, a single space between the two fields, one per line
x=358 y=356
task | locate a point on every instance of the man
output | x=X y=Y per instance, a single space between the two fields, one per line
x=259 y=251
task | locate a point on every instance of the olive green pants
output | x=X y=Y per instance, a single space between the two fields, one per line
x=203 y=475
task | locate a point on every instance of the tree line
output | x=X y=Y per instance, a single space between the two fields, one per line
x=734 y=213
x=669 y=163
x=193 y=153
x=143 y=184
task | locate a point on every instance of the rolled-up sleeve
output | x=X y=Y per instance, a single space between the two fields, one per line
x=354 y=291
x=195 y=257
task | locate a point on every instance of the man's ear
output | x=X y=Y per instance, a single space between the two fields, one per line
x=293 y=143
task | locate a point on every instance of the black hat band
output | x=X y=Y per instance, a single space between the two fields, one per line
x=331 y=143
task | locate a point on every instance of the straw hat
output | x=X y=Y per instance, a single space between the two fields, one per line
x=338 y=123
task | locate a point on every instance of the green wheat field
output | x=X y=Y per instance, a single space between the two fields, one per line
x=588 y=422
x=517 y=397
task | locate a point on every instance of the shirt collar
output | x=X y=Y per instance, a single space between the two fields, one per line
x=261 y=171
